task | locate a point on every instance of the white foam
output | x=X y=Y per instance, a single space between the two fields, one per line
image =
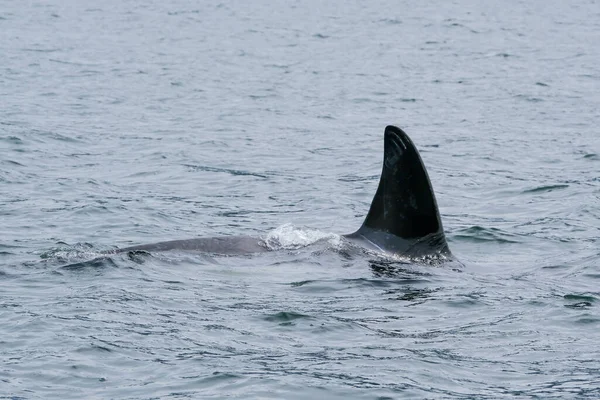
x=289 y=237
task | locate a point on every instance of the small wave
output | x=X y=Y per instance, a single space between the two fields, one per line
x=391 y=21
x=12 y=162
x=588 y=298
x=481 y=234
x=12 y=139
x=580 y=300
x=285 y=316
x=230 y=171
x=288 y=237
x=530 y=99
x=76 y=63
x=406 y=100
x=543 y=189
x=96 y=263
x=52 y=50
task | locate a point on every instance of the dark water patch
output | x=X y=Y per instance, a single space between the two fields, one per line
x=301 y=283
x=97 y=264
x=544 y=189
x=397 y=271
x=143 y=174
x=321 y=150
x=12 y=139
x=581 y=297
x=376 y=283
x=78 y=155
x=587 y=320
x=580 y=301
x=541 y=84
x=172 y=13
x=410 y=294
x=138 y=256
x=321 y=36
x=361 y=100
x=218 y=378
x=316 y=286
x=482 y=234
x=406 y=100
x=557 y=266
x=466 y=300
x=4 y=274
x=529 y=98
x=41 y=50
x=12 y=162
x=173 y=282
x=94 y=348
x=391 y=21
x=579 y=304
x=262 y=96
x=592 y=156
x=285 y=317
x=218 y=327
x=279 y=66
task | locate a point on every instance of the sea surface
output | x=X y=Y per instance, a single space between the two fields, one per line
x=132 y=122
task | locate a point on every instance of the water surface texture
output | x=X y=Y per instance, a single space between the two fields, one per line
x=130 y=122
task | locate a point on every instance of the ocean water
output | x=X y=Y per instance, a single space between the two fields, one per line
x=129 y=122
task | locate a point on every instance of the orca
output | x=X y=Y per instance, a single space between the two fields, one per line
x=403 y=220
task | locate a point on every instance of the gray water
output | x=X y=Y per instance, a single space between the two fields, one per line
x=124 y=123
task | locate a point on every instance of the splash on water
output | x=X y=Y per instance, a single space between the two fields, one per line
x=288 y=237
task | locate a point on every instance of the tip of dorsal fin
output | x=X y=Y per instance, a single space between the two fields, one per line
x=404 y=214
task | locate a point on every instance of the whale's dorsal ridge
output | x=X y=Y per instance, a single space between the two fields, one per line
x=404 y=216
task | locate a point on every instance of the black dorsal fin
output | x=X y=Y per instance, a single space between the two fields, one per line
x=404 y=216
